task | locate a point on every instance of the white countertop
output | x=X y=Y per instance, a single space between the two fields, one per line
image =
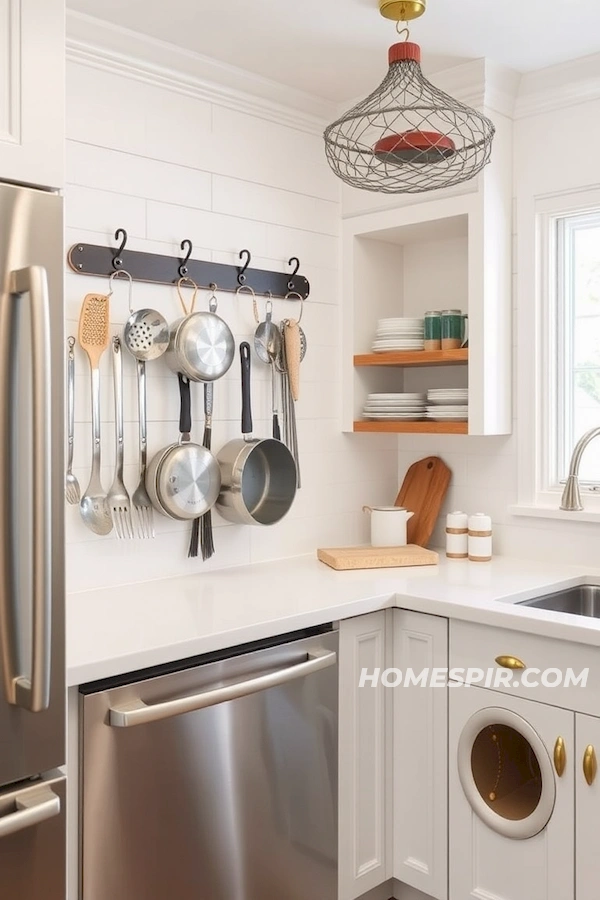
x=116 y=630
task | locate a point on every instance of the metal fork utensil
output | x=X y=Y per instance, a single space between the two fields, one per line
x=118 y=499
x=141 y=500
x=72 y=489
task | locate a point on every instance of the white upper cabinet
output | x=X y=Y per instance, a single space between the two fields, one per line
x=32 y=93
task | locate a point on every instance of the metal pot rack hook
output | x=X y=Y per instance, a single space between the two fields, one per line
x=186 y=246
x=188 y=282
x=269 y=304
x=242 y=272
x=117 y=261
x=116 y=274
x=212 y=300
x=291 y=261
x=290 y=296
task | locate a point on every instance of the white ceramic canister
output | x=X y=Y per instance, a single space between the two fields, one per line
x=457 y=528
x=480 y=538
x=388 y=525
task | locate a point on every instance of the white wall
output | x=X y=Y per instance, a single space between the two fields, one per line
x=486 y=470
x=167 y=166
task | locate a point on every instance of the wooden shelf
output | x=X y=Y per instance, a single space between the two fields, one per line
x=392 y=427
x=414 y=358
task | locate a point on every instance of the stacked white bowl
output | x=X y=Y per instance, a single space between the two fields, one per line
x=448 y=405
x=398 y=334
x=400 y=407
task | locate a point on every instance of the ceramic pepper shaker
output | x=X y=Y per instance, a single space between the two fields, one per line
x=457 y=535
x=480 y=538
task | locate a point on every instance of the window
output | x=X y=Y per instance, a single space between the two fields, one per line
x=574 y=345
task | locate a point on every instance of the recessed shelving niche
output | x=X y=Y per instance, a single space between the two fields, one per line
x=452 y=253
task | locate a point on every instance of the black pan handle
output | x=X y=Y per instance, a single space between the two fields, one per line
x=246 y=399
x=185 y=409
x=276 y=428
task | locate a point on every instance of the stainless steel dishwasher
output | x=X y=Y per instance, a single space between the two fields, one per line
x=217 y=781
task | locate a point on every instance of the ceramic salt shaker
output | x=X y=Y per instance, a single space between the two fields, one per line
x=457 y=535
x=480 y=538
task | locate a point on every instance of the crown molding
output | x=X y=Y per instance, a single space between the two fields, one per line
x=102 y=45
x=567 y=84
x=480 y=83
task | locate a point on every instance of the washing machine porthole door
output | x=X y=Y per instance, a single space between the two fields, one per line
x=506 y=773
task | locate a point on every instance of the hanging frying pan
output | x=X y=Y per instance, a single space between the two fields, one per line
x=183 y=479
x=258 y=477
x=201 y=345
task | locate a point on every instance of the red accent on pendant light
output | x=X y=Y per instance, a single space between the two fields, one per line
x=403 y=51
x=415 y=146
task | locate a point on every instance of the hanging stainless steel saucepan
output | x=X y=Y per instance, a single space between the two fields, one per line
x=258 y=477
x=201 y=345
x=183 y=479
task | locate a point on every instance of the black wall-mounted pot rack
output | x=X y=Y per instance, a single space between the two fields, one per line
x=91 y=259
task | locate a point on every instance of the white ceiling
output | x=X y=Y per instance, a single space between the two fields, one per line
x=337 y=49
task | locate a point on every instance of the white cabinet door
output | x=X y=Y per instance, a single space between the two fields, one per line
x=587 y=805
x=504 y=786
x=362 y=757
x=420 y=855
x=32 y=91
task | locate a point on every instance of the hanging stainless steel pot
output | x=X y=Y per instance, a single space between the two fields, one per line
x=201 y=345
x=183 y=479
x=258 y=477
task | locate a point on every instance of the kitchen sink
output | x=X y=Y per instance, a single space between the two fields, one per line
x=583 y=600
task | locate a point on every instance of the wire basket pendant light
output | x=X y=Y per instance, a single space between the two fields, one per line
x=408 y=136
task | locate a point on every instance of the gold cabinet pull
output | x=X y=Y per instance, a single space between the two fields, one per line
x=510 y=662
x=590 y=766
x=560 y=756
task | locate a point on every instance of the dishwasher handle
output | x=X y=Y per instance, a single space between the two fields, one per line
x=136 y=712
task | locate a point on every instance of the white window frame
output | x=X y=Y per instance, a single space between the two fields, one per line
x=538 y=356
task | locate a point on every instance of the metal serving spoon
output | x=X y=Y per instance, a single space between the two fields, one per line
x=267 y=339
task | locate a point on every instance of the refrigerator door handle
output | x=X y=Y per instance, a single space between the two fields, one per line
x=32 y=807
x=136 y=712
x=32 y=692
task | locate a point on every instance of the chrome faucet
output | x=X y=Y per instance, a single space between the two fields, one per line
x=571 y=498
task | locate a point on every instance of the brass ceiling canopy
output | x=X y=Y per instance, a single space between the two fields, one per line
x=407 y=136
x=402 y=10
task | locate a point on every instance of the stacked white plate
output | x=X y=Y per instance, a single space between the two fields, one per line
x=398 y=334
x=448 y=404
x=401 y=407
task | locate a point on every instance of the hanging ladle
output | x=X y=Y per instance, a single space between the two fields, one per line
x=267 y=344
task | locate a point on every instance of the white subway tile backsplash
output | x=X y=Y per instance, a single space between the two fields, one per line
x=137 y=176
x=223 y=180
x=312 y=249
x=263 y=204
x=177 y=128
x=262 y=152
x=226 y=233
x=95 y=115
x=104 y=211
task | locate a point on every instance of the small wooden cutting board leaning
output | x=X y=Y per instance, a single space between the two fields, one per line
x=343 y=558
x=423 y=491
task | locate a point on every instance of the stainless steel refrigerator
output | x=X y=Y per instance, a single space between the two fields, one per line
x=32 y=679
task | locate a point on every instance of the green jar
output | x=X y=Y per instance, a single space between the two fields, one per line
x=454 y=329
x=432 y=332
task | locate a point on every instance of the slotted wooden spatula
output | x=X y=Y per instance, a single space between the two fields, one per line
x=423 y=491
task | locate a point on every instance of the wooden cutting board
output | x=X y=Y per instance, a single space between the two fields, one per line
x=377 y=557
x=423 y=491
